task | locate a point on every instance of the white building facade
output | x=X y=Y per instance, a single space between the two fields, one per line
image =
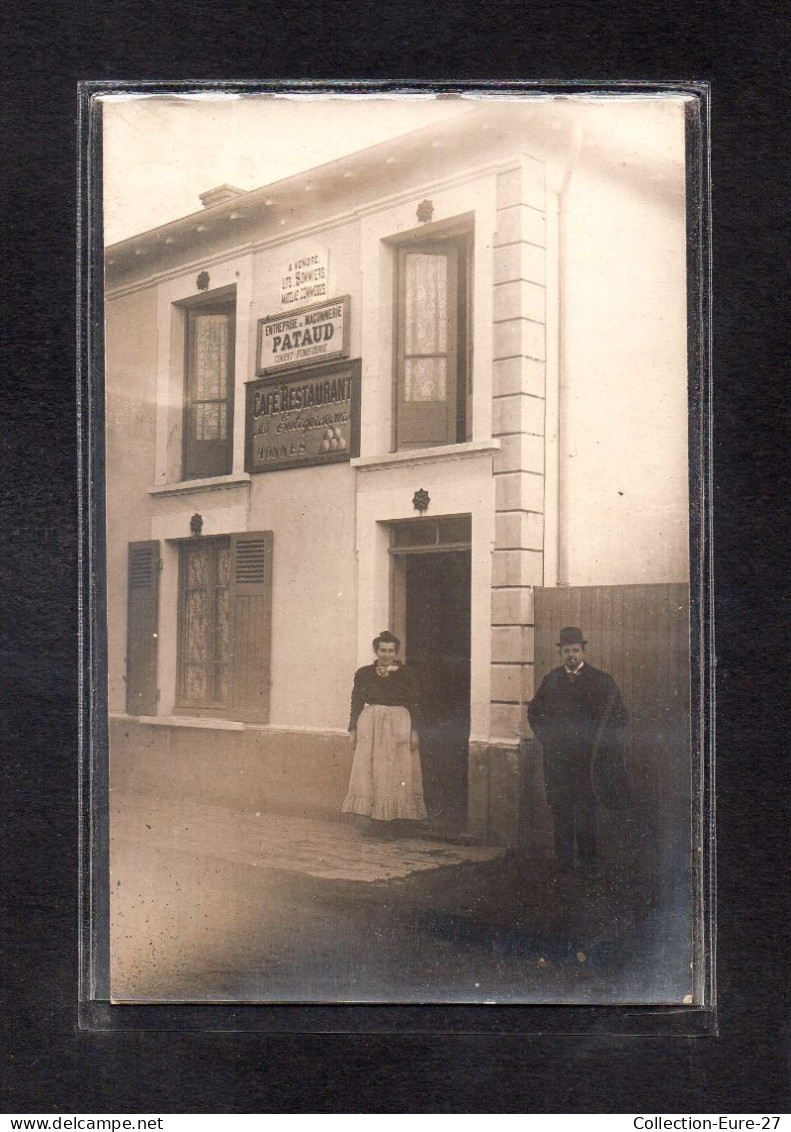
x=399 y=391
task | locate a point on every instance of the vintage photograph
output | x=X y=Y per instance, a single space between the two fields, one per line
x=398 y=492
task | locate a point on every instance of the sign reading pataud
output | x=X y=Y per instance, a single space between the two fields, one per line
x=317 y=333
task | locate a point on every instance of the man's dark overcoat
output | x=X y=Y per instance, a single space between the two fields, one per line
x=566 y=716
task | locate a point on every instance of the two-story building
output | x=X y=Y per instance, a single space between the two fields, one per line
x=411 y=389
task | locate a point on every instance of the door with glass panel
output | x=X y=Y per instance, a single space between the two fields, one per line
x=432 y=353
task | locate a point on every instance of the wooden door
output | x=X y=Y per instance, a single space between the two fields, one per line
x=438 y=649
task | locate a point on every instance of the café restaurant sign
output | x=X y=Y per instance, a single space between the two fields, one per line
x=317 y=333
x=303 y=419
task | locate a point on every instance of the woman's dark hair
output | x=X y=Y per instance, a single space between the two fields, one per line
x=386 y=638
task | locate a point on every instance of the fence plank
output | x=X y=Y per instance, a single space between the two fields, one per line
x=640 y=634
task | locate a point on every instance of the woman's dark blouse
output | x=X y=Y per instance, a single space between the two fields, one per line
x=397 y=689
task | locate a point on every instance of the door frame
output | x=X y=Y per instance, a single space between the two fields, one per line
x=398 y=556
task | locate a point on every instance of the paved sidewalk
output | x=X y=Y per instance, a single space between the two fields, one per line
x=210 y=902
x=333 y=850
x=216 y=903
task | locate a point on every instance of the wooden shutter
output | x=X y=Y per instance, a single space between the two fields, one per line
x=142 y=628
x=427 y=353
x=251 y=565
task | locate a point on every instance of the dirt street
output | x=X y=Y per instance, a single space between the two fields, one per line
x=214 y=904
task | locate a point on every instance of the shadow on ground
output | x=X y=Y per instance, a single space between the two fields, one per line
x=213 y=905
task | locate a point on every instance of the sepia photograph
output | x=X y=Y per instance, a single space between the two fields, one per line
x=402 y=502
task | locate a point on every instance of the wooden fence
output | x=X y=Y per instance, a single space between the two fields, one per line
x=639 y=634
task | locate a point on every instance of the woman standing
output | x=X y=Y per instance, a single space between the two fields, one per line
x=386 y=782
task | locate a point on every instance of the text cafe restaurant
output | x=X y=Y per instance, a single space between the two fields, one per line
x=433 y=386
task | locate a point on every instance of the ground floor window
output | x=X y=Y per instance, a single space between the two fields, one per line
x=224 y=626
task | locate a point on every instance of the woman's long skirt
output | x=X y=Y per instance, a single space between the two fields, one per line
x=386 y=782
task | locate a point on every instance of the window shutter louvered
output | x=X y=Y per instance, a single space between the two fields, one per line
x=251 y=556
x=142 y=628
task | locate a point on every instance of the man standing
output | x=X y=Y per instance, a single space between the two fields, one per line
x=578 y=716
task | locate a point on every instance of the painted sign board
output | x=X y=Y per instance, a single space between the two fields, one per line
x=314 y=334
x=305 y=277
x=303 y=419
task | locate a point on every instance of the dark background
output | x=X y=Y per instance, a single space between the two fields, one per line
x=50 y=1065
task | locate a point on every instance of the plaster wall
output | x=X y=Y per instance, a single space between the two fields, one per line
x=342 y=243
x=169 y=331
x=456 y=487
x=130 y=414
x=476 y=198
x=314 y=605
x=623 y=462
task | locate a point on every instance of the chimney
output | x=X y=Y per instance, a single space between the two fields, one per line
x=221 y=195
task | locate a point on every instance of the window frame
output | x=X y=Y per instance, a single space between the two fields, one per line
x=458 y=246
x=249 y=659
x=223 y=302
x=214 y=708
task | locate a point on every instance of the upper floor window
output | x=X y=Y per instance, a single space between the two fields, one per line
x=434 y=343
x=208 y=390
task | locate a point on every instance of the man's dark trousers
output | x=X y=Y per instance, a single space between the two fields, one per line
x=574 y=816
x=573 y=717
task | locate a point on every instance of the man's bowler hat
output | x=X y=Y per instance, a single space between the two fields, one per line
x=571 y=635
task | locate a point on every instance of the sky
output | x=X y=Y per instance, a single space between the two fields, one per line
x=162 y=151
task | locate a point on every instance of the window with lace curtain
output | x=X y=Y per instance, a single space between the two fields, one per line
x=204 y=622
x=224 y=624
x=434 y=343
x=208 y=392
